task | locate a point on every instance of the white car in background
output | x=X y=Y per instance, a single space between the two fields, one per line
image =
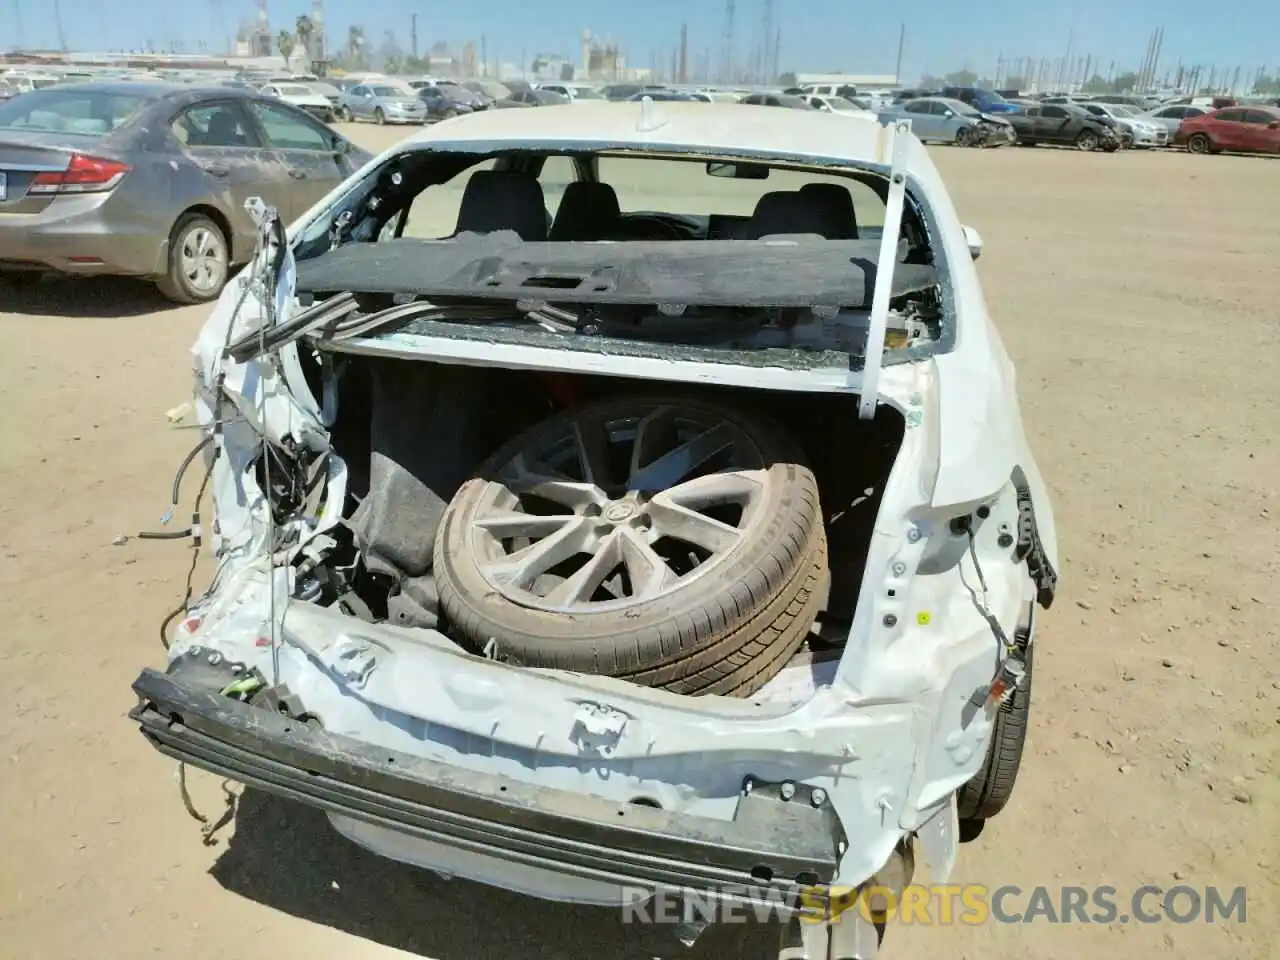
x=573 y=92
x=703 y=561
x=303 y=97
x=844 y=106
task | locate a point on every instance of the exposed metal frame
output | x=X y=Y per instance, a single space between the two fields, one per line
x=894 y=144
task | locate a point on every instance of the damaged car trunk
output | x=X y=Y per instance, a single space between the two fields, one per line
x=682 y=540
x=597 y=533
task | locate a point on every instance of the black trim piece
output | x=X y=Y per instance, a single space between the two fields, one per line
x=771 y=843
x=1031 y=549
x=804 y=272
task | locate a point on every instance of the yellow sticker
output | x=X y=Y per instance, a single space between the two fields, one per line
x=924 y=618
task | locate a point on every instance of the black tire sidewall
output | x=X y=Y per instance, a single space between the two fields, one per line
x=986 y=794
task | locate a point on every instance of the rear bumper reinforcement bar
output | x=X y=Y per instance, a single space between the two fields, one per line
x=773 y=846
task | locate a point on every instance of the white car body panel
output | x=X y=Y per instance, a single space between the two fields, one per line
x=301 y=100
x=889 y=731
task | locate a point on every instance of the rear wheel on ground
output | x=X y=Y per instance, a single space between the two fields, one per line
x=986 y=794
x=198 y=260
x=670 y=541
x=1199 y=143
x=1088 y=140
x=379 y=117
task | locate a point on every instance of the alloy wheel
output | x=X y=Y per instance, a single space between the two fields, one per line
x=617 y=511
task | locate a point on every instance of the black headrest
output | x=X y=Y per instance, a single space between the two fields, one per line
x=223 y=124
x=838 y=204
x=787 y=212
x=587 y=211
x=500 y=200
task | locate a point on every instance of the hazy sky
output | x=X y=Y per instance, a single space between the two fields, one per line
x=817 y=35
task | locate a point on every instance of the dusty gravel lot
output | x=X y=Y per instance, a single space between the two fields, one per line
x=1140 y=296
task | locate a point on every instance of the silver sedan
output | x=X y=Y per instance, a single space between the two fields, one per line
x=150 y=180
x=1171 y=117
x=943 y=120
x=382 y=103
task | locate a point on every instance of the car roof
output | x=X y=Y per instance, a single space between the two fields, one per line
x=699 y=128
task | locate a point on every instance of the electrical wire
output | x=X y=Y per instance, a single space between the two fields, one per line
x=197 y=541
x=182 y=469
x=194 y=531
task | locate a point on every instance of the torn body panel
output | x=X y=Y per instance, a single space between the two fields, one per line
x=885 y=731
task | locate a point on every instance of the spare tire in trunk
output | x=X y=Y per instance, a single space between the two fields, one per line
x=671 y=541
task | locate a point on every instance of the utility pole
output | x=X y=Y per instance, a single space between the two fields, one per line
x=727 y=67
x=413 y=35
x=777 y=53
x=57 y=21
x=682 y=69
x=902 y=39
x=17 y=24
x=1155 y=59
x=1066 y=58
x=484 y=55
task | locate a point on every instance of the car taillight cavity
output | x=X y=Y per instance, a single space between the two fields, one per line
x=84 y=174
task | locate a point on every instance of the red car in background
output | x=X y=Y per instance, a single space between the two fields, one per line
x=1237 y=129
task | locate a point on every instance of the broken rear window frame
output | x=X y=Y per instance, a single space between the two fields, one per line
x=874 y=175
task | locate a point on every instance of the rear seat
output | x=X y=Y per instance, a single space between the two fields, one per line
x=837 y=204
x=501 y=200
x=788 y=212
x=588 y=211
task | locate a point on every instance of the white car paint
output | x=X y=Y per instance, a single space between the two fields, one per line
x=835 y=105
x=298 y=94
x=920 y=645
x=577 y=93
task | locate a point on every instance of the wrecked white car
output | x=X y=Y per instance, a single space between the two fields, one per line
x=625 y=496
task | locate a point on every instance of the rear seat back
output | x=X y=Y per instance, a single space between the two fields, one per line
x=502 y=200
x=787 y=212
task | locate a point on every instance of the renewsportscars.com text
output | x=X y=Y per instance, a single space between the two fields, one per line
x=942 y=904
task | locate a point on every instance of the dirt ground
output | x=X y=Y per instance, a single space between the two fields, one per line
x=1140 y=297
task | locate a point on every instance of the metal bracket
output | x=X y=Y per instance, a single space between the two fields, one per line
x=767 y=804
x=895 y=145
